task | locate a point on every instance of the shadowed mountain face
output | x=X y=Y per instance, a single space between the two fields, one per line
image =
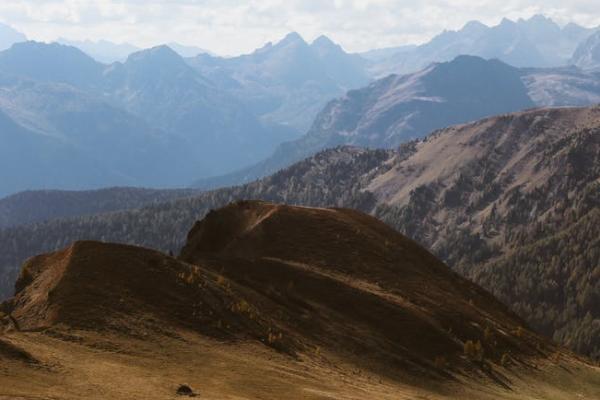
x=338 y=291
x=486 y=197
x=536 y=42
x=397 y=109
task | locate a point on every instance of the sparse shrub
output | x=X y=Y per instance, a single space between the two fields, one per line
x=440 y=362
x=290 y=286
x=473 y=350
x=519 y=332
x=273 y=337
x=222 y=281
x=469 y=348
x=489 y=338
x=487 y=334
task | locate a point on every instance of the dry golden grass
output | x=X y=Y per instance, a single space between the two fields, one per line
x=105 y=366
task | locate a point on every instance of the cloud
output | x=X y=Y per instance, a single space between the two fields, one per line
x=235 y=26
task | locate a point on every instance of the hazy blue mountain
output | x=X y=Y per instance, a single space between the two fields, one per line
x=9 y=36
x=287 y=82
x=103 y=51
x=51 y=63
x=386 y=52
x=158 y=119
x=347 y=70
x=150 y=121
x=587 y=55
x=109 y=52
x=395 y=109
x=74 y=127
x=160 y=87
x=187 y=51
x=536 y=42
x=29 y=160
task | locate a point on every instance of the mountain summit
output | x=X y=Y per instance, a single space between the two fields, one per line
x=534 y=42
x=51 y=63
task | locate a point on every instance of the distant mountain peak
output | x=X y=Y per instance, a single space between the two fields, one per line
x=540 y=18
x=159 y=62
x=162 y=50
x=161 y=54
x=507 y=22
x=43 y=46
x=323 y=44
x=292 y=37
x=9 y=36
x=324 y=41
x=50 y=62
x=474 y=25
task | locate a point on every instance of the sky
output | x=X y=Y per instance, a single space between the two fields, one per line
x=230 y=27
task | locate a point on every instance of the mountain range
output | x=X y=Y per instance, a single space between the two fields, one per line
x=60 y=95
x=509 y=201
x=292 y=302
x=535 y=42
x=108 y=52
x=287 y=82
x=221 y=121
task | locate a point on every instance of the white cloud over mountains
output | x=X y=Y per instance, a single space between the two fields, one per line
x=232 y=26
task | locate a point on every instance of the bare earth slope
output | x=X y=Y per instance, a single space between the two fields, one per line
x=272 y=301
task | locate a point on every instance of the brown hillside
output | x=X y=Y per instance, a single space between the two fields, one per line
x=511 y=202
x=330 y=292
